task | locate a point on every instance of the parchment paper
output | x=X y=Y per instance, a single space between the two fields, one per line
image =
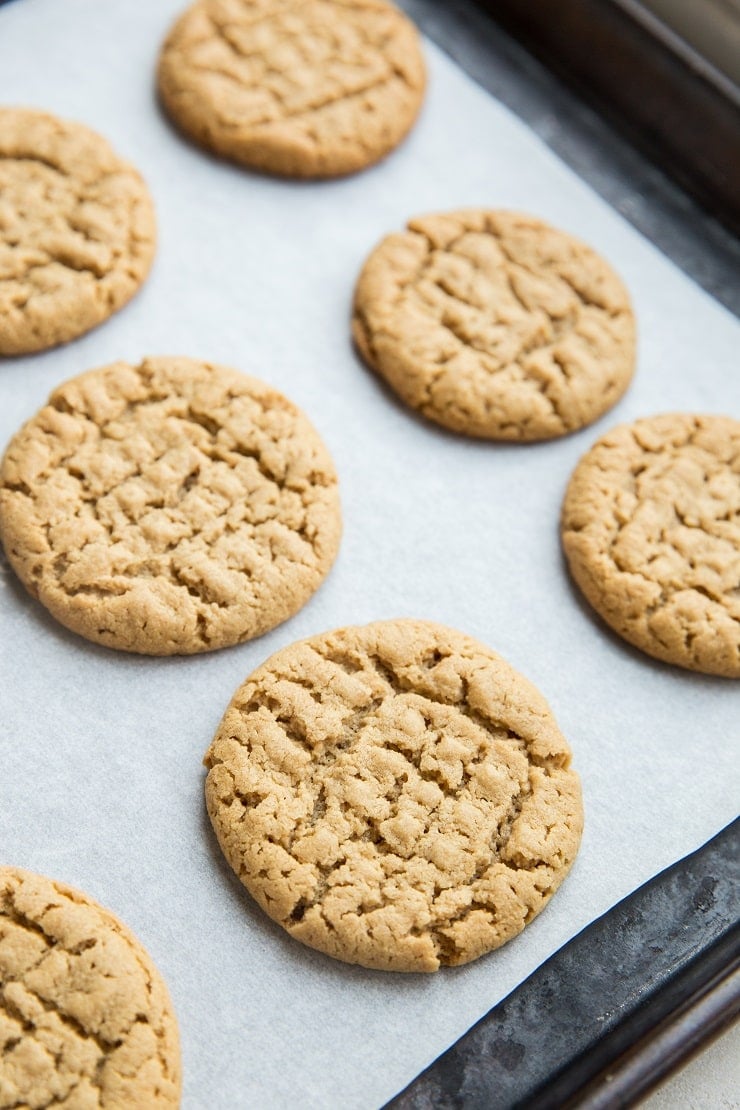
x=100 y=773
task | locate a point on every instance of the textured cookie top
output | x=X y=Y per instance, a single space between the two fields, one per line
x=76 y=230
x=170 y=507
x=394 y=795
x=495 y=324
x=305 y=88
x=85 y=1019
x=651 y=529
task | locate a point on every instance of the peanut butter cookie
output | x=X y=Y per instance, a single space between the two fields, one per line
x=303 y=88
x=495 y=325
x=651 y=530
x=169 y=508
x=77 y=231
x=85 y=1018
x=394 y=795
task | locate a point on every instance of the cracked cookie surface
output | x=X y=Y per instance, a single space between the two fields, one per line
x=77 y=231
x=302 y=88
x=85 y=1017
x=394 y=795
x=495 y=324
x=169 y=508
x=651 y=530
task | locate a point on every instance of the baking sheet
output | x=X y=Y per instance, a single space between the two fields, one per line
x=100 y=775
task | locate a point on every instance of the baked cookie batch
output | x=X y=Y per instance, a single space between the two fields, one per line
x=394 y=795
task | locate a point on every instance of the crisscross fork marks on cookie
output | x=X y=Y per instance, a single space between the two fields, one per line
x=394 y=795
x=651 y=530
x=307 y=89
x=77 y=231
x=83 y=1012
x=175 y=494
x=494 y=324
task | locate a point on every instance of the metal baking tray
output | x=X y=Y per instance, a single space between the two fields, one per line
x=640 y=62
x=687 y=917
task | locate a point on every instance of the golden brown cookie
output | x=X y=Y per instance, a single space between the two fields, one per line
x=304 y=88
x=85 y=1018
x=651 y=530
x=395 y=795
x=77 y=231
x=169 y=508
x=495 y=324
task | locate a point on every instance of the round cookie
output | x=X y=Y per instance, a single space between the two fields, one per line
x=651 y=531
x=495 y=324
x=301 y=88
x=85 y=1018
x=169 y=508
x=394 y=795
x=77 y=231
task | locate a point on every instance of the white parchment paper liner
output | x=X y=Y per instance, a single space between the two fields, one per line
x=100 y=776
